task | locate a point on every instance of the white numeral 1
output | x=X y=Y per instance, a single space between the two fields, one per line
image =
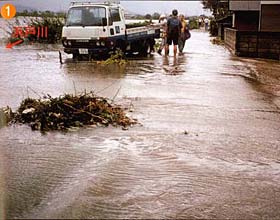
x=8 y=10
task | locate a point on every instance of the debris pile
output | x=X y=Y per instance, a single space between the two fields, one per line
x=117 y=57
x=217 y=41
x=70 y=111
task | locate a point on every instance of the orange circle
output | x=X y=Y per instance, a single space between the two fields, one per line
x=8 y=11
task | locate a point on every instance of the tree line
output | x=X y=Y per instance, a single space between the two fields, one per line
x=49 y=14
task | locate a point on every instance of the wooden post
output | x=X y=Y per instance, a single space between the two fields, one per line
x=60 y=57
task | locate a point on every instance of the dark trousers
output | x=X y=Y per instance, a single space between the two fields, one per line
x=181 y=43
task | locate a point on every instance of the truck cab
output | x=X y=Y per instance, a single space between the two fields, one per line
x=98 y=28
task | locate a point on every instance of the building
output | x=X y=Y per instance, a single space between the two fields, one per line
x=222 y=24
x=255 y=30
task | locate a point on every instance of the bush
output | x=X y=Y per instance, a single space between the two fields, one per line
x=214 y=28
x=54 y=24
x=193 y=24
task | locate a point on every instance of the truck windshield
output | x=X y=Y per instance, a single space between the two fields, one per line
x=86 y=16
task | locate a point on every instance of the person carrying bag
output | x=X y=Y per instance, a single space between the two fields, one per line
x=184 y=35
x=187 y=34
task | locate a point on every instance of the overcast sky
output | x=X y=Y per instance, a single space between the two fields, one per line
x=142 y=7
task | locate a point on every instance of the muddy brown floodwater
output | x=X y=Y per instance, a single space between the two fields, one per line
x=208 y=146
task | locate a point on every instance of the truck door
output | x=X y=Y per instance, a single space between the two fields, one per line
x=116 y=22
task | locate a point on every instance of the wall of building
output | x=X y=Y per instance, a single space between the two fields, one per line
x=269 y=45
x=246 y=44
x=246 y=20
x=253 y=43
x=270 y=17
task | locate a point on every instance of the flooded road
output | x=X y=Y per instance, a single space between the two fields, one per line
x=208 y=145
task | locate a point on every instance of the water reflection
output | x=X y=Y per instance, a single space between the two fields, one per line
x=86 y=69
x=174 y=65
x=3 y=121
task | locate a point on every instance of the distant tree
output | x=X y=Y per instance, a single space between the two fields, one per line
x=25 y=12
x=155 y=15
x=48 y=14
x=41 y=14
x=61 y=14
x=148 y=16
x=34 y=13
x=219 y=8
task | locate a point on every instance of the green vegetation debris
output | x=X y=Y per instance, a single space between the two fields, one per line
x=117 y=57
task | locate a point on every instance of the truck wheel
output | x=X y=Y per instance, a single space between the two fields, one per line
x=75 y=56
x=146 y=48
x=120 y=45
x=149 y=48
x=152 y=45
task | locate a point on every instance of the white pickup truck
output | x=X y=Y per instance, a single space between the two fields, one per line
x=99 y=28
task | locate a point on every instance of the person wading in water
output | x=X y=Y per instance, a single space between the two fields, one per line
x=174 y=27
x=163 y=22
x=182 y=37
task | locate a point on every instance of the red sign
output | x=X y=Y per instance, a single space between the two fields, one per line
x=24 y=32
